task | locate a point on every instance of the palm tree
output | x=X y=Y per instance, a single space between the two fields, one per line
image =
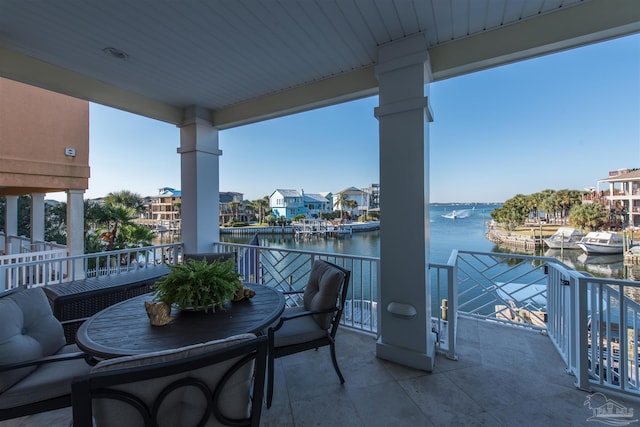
x=261 y=206
x=351 y=204
x=234 y=206
x=126 y=198
x=118 y=216
x=118 y=212
x=340 y=202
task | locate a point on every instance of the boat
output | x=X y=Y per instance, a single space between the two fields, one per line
x=464 y=213
x=601 y=242
x=564 y=238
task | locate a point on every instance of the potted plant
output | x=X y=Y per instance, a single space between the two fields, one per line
x=198 y=285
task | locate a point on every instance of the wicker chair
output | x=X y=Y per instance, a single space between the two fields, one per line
x=214 y=383
x=313 y=325
x=36 y=363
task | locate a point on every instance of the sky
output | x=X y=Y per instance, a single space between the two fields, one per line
x=560 y=121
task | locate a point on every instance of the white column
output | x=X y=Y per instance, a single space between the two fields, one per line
x=10 y=222
x=405 y=296
x=75 y=222
x=199 y=181
x=37 y=218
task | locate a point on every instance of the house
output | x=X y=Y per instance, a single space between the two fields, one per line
x=165 y=207
x=316 y=204
x=290 y=203
x=622 y=197
x=361 y=197
x=232 y=206
x=391 y=49
x=44 y=148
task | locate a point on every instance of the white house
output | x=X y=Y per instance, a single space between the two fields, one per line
x=352 y=193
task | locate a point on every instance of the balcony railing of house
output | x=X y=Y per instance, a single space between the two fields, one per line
x=20 y=244
x=50 y=267
x=289 y=269
x=582 y=315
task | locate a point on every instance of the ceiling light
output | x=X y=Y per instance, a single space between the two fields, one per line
x=116 y=53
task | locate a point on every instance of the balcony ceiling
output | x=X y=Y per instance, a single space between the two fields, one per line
x=248 y=60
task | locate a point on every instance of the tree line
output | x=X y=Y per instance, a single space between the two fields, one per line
x=558 y=207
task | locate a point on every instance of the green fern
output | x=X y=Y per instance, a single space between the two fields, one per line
x=198 y=284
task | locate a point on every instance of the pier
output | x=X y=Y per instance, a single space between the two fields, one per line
x=515 y=241
x=305 y=229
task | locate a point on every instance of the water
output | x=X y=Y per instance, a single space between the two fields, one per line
x=447 y=234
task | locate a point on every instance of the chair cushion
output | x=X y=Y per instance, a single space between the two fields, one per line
x=321 y=291
x=299 y=330
x=28 y=330
x=48 y=381
x=184 y=406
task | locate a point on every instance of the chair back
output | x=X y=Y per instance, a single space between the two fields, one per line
x=326 y=291
x=210 y=384
x=28 y=331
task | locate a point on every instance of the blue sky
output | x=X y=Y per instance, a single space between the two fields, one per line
x=558 y=121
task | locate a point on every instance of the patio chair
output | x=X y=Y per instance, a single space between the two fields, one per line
x=315 y=323
x=36 y=364
x=213 y=383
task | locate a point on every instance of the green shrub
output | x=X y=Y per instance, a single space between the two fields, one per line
x=198 y=285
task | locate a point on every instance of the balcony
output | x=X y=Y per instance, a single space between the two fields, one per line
x=517 y=335
x=503 y=377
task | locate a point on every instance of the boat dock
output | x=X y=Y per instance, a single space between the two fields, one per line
x=310 y=228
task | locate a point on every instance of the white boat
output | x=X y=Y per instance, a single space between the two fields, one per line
x=601 y=242
x=564 y=238
x=464 y=213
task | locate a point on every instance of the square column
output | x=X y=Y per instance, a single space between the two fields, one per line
x=200 y=181
x=10 y=223
x=37 y=220
x=405 y=294
x=75 y=230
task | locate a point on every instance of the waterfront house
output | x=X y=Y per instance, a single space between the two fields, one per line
x=315 y=204
x=361 y=197
x=198 y=67
x=290 y=203
x=44 y=148
x=232 y=205
x=286 y=203
x=165 y=208
x=622 y=194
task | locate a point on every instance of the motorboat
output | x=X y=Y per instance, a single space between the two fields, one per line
x=464 y=213
x=564 y=238
x=601 y=242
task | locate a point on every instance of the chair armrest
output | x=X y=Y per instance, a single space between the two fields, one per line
x=293 y=292
x=49 y=359
x=305 y=313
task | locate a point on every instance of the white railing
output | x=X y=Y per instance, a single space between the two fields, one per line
x=20 y=244
x=289 y=269
x=581 y=314
x=32 y=268
x=43 y=269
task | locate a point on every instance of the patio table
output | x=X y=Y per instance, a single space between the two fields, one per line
x=124 y=328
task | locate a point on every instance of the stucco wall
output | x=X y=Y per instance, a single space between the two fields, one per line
x=36 y=126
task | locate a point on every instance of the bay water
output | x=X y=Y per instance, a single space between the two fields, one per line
x=464 y=232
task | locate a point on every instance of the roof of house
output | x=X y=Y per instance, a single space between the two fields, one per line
x=310 y=197
x=625 y=176
x=287 y=193
x=168 y=191
x=351 y=190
